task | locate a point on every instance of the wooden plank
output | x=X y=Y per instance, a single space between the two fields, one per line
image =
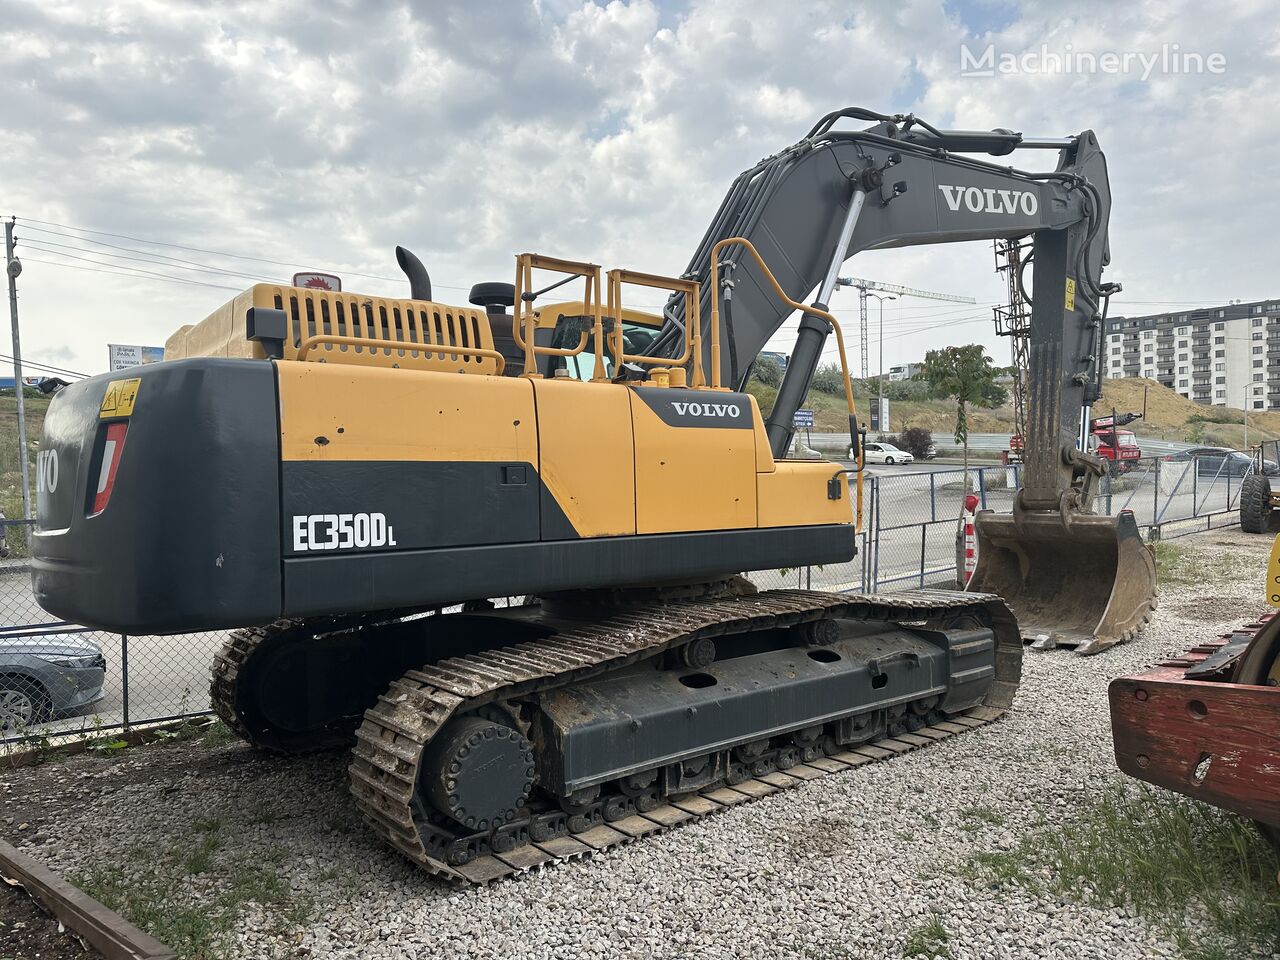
x=111 y=934
x=805 y=772
x=562 y=847
x=895 y=745
x=914 y=739
x=829 y=764
x=851 y=759
x=526 y=857
x=483 y=869
x=698 y=806
x=668 y=815
x=780 y=780
x=600 y=837
x=635 y=825
x=933 y=733
x=873 y=752
x=755 y=788
x=725 y=797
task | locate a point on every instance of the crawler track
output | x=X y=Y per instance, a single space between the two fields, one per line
x=395 y=732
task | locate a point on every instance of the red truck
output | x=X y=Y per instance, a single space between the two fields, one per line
x=1106 y=439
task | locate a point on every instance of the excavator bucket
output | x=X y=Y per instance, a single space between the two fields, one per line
x=1088 y=584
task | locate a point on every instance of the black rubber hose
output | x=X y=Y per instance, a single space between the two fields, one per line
x=733 y=344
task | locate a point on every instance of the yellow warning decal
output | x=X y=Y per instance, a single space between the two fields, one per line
x=1273 y=575
x=120 y=397
x=1070 y=301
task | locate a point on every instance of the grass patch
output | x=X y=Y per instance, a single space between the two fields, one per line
x=928 y=940
x=1204 y=877
x=1178 y=566
x=978 y=818
x=191 y=895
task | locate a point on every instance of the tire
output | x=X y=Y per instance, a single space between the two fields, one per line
x=23 y=702
x=888 y=461
x=1255 y=504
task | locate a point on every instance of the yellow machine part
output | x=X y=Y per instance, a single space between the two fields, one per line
x=321 y=313
x=1273 y=575
x=611 y=464
x=1089 y=583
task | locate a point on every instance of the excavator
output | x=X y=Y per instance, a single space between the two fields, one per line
x=499 y=546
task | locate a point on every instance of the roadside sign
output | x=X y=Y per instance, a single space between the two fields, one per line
x=880 y=415
x=318 y=281
x=121 y=356
x=804 y=418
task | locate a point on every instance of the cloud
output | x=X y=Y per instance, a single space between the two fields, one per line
x=324 y=133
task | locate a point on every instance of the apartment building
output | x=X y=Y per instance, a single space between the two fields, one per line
x=1224 y=356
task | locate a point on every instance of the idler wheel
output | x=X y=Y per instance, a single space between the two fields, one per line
x=478 y=772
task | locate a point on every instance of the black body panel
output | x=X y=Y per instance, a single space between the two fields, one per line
x=346 y=582
x=190 y=537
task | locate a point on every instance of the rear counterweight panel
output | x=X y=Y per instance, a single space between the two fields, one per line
x=189 y=538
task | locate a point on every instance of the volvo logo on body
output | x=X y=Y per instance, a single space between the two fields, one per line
x=713 y=410
x=989 y=200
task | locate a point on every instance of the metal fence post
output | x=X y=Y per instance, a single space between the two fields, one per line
x=124 y=676
x=982 y=487
x=1155 y=495
x=933 y=496
x=924 y=529
x=875 y=560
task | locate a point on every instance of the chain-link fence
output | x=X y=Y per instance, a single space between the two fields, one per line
x=59 y=679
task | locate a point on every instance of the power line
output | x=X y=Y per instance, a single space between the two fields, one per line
x=158 y=260
x=44 y=366
x=135 y=276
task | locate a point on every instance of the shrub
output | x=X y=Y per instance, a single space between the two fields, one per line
x=916 y=441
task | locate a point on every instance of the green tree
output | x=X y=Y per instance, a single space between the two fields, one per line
x=828 y=379
x=966 y=375
x=768 y=371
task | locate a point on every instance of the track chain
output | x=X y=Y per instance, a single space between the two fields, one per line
x=395 y=731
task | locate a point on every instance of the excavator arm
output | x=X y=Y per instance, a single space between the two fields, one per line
x=901 y=182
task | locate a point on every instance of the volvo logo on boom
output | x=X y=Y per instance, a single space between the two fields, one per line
x=989 y=200
x=718 y=411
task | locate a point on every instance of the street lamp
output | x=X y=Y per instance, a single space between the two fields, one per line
x=880 y=367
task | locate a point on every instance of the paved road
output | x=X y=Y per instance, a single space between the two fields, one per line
x=995 y=442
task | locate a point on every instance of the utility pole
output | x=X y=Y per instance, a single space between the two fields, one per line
x=1247 y=388
x=13 y=267
x=884 y=427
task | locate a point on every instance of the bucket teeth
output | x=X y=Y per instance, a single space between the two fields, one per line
x=1088 y=583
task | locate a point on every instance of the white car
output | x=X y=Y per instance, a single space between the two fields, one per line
x=885 y=453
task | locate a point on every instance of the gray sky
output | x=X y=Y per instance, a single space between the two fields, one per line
x=322 y=133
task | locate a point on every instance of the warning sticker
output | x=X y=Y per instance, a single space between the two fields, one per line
x=1070 y=301
x=120 y=397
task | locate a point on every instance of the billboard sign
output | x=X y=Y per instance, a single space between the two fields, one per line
x=318 y=281
x=804 y=418
x=122 y=356
x=880 y=415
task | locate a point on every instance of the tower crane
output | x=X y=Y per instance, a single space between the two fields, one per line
x=866 y=286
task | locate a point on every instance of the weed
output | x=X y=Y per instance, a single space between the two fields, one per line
x=1169 y=857
x=218 y=734
x=977 y=817
x=928 y=940
x=155 y=893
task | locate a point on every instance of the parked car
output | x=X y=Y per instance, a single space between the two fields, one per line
x=882 y=452
x=931 y=450
x=1221 y=462
x=46 y=674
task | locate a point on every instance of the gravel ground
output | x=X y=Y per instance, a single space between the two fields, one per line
x=847 y=866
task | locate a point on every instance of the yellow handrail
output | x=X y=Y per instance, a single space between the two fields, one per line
x=524 y=316
x=403 y=345
x=781 y=294
x=690 y=289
